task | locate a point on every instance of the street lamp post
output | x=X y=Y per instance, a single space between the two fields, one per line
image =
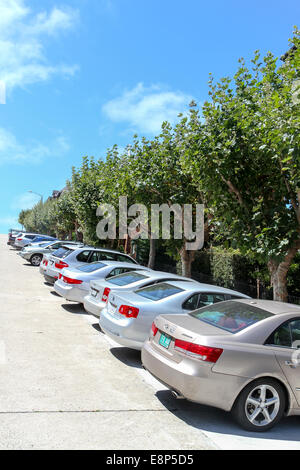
x=38 y=194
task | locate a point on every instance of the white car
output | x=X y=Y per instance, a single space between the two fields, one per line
x=74 y=283
x=97 y=298
x=128 y=316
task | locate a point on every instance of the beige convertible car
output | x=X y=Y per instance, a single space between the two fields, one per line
x=239 y=355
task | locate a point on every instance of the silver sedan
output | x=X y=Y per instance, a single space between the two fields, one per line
x=97 y=298
x=241 y=356
x=128 y=315
x=74 y=283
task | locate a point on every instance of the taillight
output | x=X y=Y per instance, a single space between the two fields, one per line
x=19 y=239
x=128 y=311
x=204 y=353
x=154 y=329
x=61 y=265
x=60 y=276
x=105 y=294
x=46 y=263
x=69 y=280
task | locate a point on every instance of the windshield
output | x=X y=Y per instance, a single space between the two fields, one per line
x=159 y=291
x=126 y=278
x=90 y=268
x=230 y=316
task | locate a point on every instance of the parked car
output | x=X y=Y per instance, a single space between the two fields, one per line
x=25 y=238
x=12 y=234
x=241 y=356
x=68 y=256
x=34 y=252
x=74 y=283
x=41 y=238
x=128 y=315
x=99 y=290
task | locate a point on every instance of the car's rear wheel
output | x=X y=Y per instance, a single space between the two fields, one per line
x=35 y=260
x=260 y=405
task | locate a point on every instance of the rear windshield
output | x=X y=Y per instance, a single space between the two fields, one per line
x=62 y=252
x=158 y=292
x=90 y=268
x=126 y=278
x=230 y=316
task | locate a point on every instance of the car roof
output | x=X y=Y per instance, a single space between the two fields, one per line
x=193 y=285
x=107 y=250
x=272 y=306
x=158 y=274
x=119 y=263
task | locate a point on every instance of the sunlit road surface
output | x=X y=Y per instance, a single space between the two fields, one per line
x=64 y=385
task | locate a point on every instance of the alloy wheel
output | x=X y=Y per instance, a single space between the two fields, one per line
x=262 y=405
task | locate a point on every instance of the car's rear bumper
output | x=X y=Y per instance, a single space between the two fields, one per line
x=92 y=306
x=71 y=293
x=50 y=279
x=121 y=331
x=193 y=379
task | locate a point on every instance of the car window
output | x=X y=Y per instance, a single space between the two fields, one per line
x=124 y=258
x=90 y=268
x=102 y=255
x=55 y=247
x=158 y=291
x=117 y=271
x=295 y=330
x=286 y=335
x=84 y=256
x=231 y=316
x=127 y=278
x=191 y=303
x=209 y=299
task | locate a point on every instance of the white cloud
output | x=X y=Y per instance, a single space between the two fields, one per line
x=12 y=151
x=145 y=108
x=22 y=53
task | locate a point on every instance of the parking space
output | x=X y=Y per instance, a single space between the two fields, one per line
x=65 y=385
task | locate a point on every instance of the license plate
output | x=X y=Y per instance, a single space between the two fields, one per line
x=94 y=292
x=111 y=308
x=165 y=340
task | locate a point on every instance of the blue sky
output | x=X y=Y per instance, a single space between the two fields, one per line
x=83 y=75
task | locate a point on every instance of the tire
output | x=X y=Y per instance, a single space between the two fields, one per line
x=249 y=403
x=35 y=260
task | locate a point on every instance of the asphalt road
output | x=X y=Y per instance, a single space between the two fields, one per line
x=64 y=385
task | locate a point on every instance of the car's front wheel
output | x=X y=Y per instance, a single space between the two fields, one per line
x=35 y=260
x=260 y=405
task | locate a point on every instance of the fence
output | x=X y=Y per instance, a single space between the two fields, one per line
x=247 y=289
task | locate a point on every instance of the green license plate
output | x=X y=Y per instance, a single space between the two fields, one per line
x=165 y=340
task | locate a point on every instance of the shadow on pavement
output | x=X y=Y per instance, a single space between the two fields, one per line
x=55 y=293
x=129 y=357
x=96 y=326
x=74 y=308
x=218 y=421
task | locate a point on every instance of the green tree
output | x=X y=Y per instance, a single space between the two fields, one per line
x=249 y=160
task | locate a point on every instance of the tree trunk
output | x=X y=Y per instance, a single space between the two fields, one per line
x=187 y=257
x=152 y=253
x=278 y=272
